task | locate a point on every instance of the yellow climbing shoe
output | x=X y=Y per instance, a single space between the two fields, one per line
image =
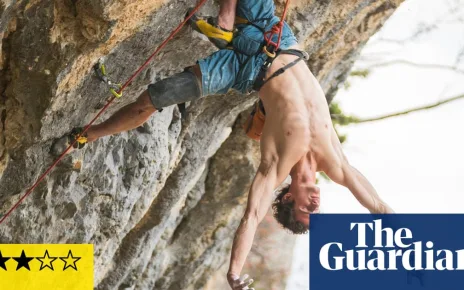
x=61 y=144
x=208 y=26
x=76 y=135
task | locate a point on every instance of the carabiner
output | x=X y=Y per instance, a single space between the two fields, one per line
x=100 y=71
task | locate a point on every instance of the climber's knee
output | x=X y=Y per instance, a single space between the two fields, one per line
x=144 y=103
x=177 y=89
x=196 y=70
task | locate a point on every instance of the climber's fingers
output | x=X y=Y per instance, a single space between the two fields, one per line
x=237 y=283
x=243 y=283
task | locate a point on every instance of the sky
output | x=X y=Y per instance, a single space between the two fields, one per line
x=415 y=162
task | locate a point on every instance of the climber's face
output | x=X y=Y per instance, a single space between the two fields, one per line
x=306 y=198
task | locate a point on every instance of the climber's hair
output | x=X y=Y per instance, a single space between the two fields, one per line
x=285 y=214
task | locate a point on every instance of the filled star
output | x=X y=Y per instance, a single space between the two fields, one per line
x=46 y=261
x=2 y=261
x=70 y=261
x=23 y=261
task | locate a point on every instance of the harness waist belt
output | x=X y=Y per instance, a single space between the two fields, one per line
x=261 y=78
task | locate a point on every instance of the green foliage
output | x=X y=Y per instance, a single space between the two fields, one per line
x=347 y=85
x=338 y=117
x=363 y=73
x=324 y=176
x=334 y=108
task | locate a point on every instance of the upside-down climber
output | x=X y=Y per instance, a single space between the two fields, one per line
x=297 y=137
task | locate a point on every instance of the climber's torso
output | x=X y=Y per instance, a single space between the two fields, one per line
x=298 y=122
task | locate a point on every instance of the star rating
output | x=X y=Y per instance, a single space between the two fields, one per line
x=2 y=261
x=46 y=261
x=23 y=261
x=70 y=259
x=46 y=266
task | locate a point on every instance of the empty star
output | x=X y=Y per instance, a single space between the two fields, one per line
x=23 y=261
x=3 y=260
x=70 y=260
x=46 y=261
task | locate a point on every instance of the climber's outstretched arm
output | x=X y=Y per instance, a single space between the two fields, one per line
x=260 y=199
x=341 y=172
x=360 y=187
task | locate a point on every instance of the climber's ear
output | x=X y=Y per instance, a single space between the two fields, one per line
x=287 y=198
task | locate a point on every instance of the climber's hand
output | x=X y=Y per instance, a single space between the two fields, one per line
x=237 y=283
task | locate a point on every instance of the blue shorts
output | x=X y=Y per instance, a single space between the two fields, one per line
x=237 y=69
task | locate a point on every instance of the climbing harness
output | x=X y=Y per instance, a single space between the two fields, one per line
x=272 y=50
x=271 y=47
x=261 y=78
x=118 y=92
x=100 y=72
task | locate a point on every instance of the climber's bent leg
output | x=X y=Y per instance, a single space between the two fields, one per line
x=218 y=72
x=177 y=89
x=215 y=74
x=128 y=117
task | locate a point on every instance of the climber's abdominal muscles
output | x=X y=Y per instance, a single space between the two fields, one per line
x=296 y=110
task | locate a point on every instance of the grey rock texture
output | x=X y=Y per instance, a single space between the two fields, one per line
x=160 y=203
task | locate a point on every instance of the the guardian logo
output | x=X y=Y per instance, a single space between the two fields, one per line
x=391 y=249
x=386 y=252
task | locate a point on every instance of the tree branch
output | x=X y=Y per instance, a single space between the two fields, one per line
x=356 y=120
x=405 y=112
x=414 y=64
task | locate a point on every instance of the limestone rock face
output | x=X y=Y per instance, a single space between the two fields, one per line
x=160 y=203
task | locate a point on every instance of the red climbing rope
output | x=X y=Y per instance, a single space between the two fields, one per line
x=276 y=29
x=127 y=83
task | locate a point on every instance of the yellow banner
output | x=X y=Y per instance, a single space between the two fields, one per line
x=46 y=267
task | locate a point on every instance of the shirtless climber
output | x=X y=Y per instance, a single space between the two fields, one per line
x=297 y=139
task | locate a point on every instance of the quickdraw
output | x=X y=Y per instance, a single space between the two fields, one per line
x=100 y=71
